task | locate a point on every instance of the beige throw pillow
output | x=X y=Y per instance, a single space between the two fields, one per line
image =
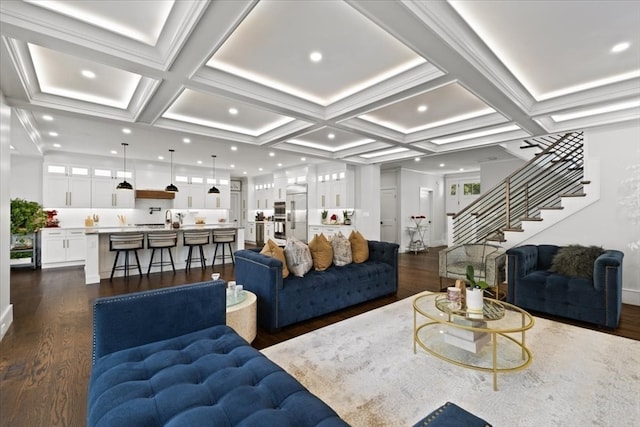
x=341 y=249
x=272 y=249
x=359 y=247
x=298 y=257
x=321 y=252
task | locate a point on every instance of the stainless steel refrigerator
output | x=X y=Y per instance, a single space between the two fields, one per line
x=296 y=225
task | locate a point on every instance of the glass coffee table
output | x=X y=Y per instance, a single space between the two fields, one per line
x=491 y=341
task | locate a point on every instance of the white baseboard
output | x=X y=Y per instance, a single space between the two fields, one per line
x=6 y=320
x=631 y=296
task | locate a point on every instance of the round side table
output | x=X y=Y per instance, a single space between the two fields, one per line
x=242 y=317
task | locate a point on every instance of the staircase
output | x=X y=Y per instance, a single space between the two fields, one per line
x=546 y=190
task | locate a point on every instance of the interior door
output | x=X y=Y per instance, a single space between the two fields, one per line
x=388 y=221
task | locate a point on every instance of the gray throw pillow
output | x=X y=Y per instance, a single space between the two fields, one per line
x=298 y=257
x=576 y=260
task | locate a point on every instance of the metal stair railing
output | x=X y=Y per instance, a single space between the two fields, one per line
x=554 y=172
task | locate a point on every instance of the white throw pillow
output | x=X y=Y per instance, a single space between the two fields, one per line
x=341 y=249
x=298 y=256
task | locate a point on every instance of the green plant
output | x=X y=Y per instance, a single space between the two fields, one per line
x=26 y=216
x=345 y=214
x=324 y=214
x=480 y=284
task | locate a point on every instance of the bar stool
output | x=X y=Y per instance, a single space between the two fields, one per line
x=161 y=241
x=129 y=242
x=223 y=237
x=197 y=238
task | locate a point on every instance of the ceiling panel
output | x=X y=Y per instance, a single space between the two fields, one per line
x=273 y=45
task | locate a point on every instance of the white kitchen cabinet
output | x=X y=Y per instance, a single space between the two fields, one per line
x=63 y=247
x=218 y=201
x=104 y=192
x=269 y=231
x=330 y=230
x=66 y=186
x=251 y=232
x=335 y=188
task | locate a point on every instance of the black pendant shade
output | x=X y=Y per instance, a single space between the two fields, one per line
x=213 y=189
x=172 y=188
x=124 y=185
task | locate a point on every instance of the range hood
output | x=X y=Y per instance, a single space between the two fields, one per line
x=154 y=194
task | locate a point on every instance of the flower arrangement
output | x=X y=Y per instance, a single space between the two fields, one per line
x=417 y=219
x=334 y=219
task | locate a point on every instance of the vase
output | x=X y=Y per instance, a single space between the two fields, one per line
x=475 y=299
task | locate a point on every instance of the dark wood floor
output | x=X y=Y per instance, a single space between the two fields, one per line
x=45 y=357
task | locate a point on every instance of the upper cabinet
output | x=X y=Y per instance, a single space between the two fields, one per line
x=221 y=200
x=104 y=192
x=66 y=186
x=263 y=192
x=191 y=192
x=335 y=187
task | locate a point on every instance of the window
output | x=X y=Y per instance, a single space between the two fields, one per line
x=454 y=189
x=471 y=188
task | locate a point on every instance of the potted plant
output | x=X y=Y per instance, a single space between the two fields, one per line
x=347 y=220
x=475 y=291
x=324 y=216
x=26 y=217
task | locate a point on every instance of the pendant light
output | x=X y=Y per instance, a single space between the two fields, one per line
x=124 y=185
x=172 y=188
x=213 y=189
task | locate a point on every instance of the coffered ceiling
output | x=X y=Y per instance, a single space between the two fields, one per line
x=446 y=82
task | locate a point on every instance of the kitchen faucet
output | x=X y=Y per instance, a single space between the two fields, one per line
x=168 y=216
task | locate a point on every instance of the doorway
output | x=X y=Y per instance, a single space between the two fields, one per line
x=426 y=209
x=234 y=208
x=460 y=192
x=388 y=215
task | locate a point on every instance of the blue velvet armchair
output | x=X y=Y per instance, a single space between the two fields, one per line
x=532 y=286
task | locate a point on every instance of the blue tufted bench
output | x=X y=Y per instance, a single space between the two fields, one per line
x=165 y=358
x=282 y=302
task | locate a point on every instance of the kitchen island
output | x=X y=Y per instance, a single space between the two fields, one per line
x=100 y=259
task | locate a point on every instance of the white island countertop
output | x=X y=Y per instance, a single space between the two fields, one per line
x=147 y=229
x=100 y=258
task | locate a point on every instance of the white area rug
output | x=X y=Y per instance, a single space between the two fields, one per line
x=365 y=369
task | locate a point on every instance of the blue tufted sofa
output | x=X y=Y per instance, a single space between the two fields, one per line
x=282 y=302
x=166 y=358
x=532 y=286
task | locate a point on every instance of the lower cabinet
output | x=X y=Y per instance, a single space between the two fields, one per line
x=329 y=230
x=251 y=232
x=62 y=248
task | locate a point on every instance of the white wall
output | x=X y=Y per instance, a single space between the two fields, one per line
x=6 y=308
x=26 y=178
x=613 y=222
x=492 y=173
x=367 y=195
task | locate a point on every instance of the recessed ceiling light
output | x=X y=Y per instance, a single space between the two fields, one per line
x=53 y=133
x=89 y=74
x=47 y=118
x=441 y=165
x=160 y=157
x=126 y=131
x=57 y=145
x=422 y=108
x=331 y=136
x=271 y=154
x=279 y=165
x=315 y=56
x=12 y=147
x=620 y=47
x=233 y=111
x=461 y=169
x=199 y=162
x=260 y=169
x=114 y=152
x=232 y=166
x=186 y=140
x=417 y=159
x=303 y=159
x=234 y=148
x=244 y=172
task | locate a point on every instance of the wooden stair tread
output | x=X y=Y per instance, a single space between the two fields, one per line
x=559 y=208
x=573 y=195
x=535 y=218
x=513 y=229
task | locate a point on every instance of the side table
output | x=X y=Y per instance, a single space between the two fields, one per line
x=242 y=317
